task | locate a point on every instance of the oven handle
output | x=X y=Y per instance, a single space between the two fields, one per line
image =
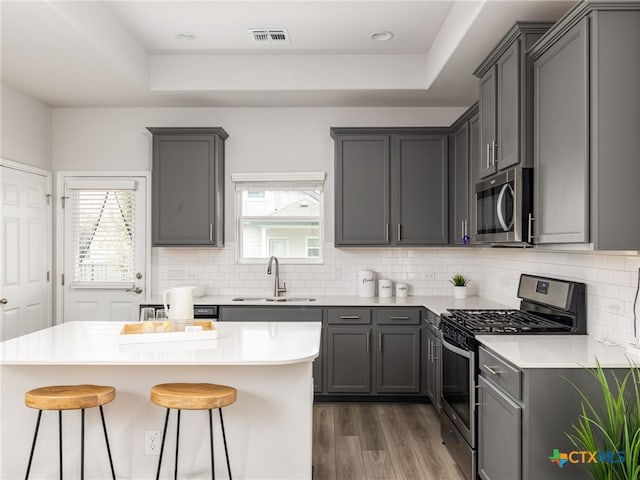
x=458 y=350
x=501 y=198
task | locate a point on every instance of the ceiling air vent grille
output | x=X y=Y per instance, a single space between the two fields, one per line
x=270 y=36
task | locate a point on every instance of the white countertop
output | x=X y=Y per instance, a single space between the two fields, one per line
x=437 y=304
x=96 y=343
x=558 y=351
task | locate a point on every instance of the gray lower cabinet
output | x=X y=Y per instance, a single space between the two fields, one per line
x=499 y=434
x=506 y=127
x=398 y=360
x=187 y=186
x=434 y=365
x=349 y=360
x=281 y=314
x=391 y=186
x=587 y=72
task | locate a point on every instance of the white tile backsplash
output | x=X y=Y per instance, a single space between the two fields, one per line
x=611 y=277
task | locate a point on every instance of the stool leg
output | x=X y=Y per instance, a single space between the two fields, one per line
x=60 y=439
x=224 y=439
x=164 y=434
x=82 y=444
x=213 y=468
x=106 y=438
x=175 y=472
x=33 y=445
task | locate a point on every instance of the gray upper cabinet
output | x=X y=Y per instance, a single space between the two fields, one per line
x=463 y=147
x=587 y=72
x=391 y=186
x=188 y=186
x=474 y=172
x=362 y=193
x=506 y=127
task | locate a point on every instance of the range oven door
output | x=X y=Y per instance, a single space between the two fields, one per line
x=458 y=389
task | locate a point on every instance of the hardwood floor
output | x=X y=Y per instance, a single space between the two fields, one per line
x=353 y=441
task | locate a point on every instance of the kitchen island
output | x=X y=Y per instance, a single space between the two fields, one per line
x=269 y=428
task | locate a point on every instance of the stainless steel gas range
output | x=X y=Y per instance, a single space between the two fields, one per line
x=548 y=306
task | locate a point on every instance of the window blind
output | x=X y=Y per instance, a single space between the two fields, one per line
x=103 y=230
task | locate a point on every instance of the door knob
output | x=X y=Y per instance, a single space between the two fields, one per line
x=3 y=301
x=137 y=290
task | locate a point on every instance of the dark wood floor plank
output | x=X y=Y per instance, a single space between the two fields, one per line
x=370 y=429
x=378 y=465
x=324 y=471
x=346 y=422
x=324 y=451
x=349 y=462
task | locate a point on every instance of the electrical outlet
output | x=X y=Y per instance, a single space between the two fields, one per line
x=175 y=273
x=615 y=306
x=428 y=276
x=192 y=276
x=337 y=272
x=152 y=442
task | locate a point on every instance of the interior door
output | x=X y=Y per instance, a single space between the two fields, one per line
x=104 y=248
x=25 y=251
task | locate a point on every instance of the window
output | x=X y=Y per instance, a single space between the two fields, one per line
x=103 y=235
x=279 y=216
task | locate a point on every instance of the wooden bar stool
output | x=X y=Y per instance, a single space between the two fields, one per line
x=70 y=397
x=193 y=396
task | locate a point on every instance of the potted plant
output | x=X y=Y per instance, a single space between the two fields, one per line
x=459 y=283
x=611 y=423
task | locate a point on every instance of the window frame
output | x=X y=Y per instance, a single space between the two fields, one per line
x=275 y=182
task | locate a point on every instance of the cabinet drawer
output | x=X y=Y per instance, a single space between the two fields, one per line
x=397 y=316
x=347 y=316
x=505 y=376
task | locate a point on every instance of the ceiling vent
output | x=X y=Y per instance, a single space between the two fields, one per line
x=270 y=36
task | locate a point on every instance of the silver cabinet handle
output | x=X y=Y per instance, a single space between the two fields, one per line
x=380 y=341
x=491 y=370
x=494 y=154
x=137 y=290
x=386 y=232
x=530 y=227
x=211 y=232
x=399 y=232
x=430 y=350
x=398 y=318
x=368 y=340
x=3 y=301
x=349 y=317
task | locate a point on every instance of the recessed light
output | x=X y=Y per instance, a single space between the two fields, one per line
x=186 y=36
x=382 y=36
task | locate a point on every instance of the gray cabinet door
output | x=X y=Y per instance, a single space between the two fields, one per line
x=561 y=173
x=508 y=96
x=349 y=360
x=188 y=186
x=459 y=203
x=488 y=112
x=474 y=173
x=420 y=175
x=362 y=192
x=499 y=434
x=397 y=360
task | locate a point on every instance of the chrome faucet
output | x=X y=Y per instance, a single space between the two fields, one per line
x=276 y=284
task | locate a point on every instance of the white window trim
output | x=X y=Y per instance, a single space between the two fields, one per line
x=276 y=181
x=60 y=181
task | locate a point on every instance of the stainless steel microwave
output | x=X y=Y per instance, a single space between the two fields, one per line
x=504 y=205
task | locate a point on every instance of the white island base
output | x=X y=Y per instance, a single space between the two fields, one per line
x=269 y=428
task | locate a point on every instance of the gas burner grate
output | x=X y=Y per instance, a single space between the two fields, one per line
x=505 y=320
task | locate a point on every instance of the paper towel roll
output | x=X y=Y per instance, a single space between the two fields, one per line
x=366 y=283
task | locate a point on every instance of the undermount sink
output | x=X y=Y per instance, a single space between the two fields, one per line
x=273 y=299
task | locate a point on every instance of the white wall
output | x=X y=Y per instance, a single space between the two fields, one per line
x=25 y=126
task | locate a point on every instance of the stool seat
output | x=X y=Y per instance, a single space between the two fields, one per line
x=69 y=397
x=193 y=396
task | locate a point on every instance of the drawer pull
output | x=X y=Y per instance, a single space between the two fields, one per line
x=349 y=317
x=398 y=318
x=491 y=370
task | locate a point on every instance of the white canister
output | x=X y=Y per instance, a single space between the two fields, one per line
x=402 y=290
x=385 y=288
x=366 y=283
